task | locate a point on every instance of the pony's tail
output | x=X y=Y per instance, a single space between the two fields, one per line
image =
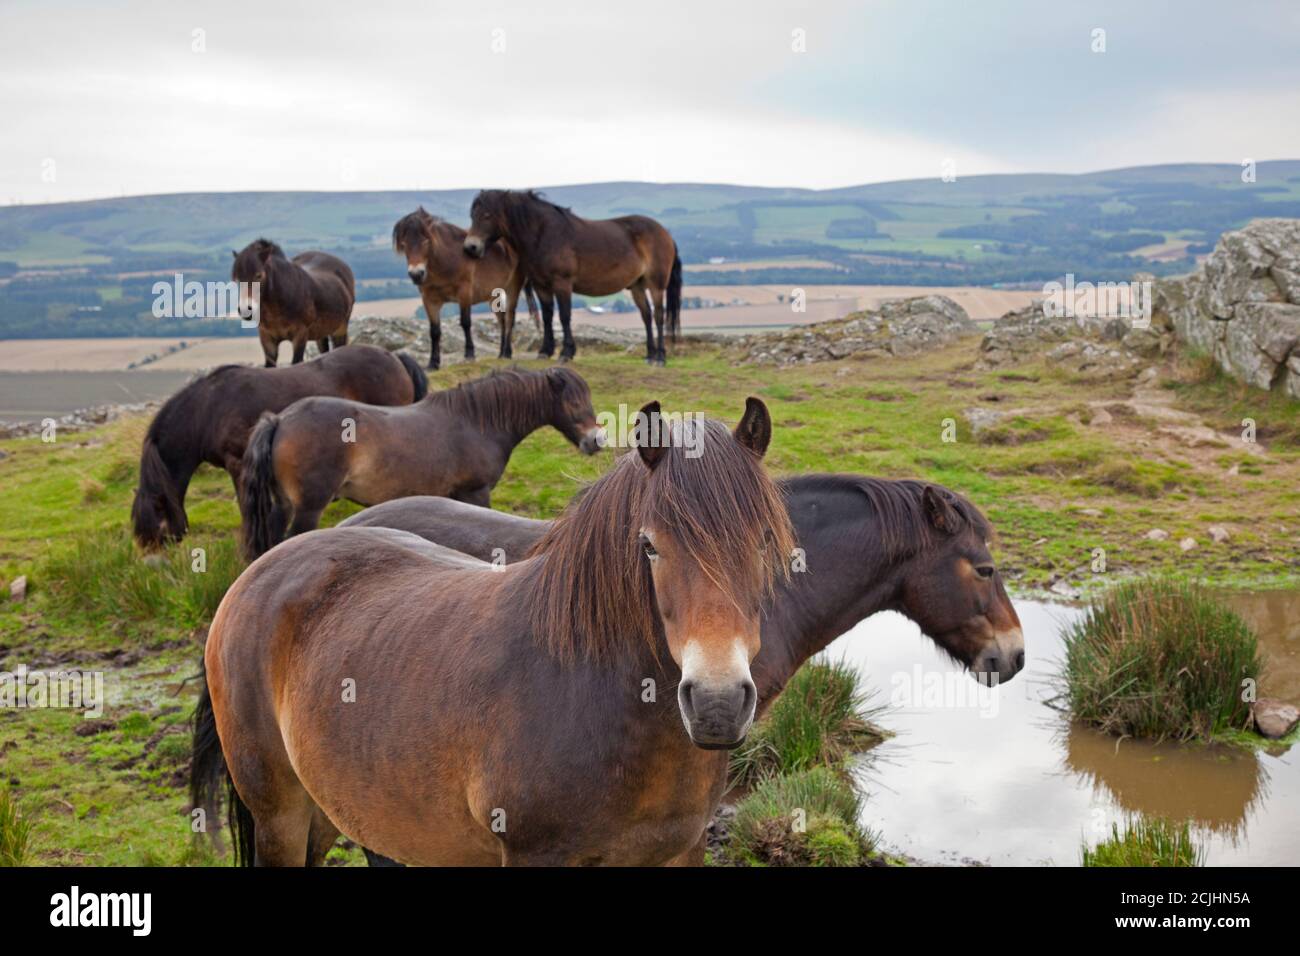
x=156 y=500
x=418 y=378
x=261 y=506
x=208 y=771
x=534 y=310
x=675 y=297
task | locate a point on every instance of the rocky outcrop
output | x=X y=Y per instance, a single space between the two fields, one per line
x=1086 y=345
x=898 y=327
x=80 y=420
x=1242 y=306
x=412 y=335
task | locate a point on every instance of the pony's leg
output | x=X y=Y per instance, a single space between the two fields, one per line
x=481 y=496
x=466 y=325
x=321 y=837
x=299 y=347
x=661 y=308
x=305 y=518
x=341 y=339
x=642 y=301
x=323 y=344
x=506 y=321
x=433 y=309
x=270 y=347
x=548 y=328
x=569 y=349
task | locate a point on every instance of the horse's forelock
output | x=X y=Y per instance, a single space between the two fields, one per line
x=591 y=587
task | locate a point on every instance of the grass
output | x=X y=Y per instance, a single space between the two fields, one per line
x=1146 y=843
x=821 y=718
x=15 y=832
x=806 y=818
x=1160 y=659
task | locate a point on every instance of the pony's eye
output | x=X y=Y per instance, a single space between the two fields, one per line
x=985 y=570
x=648 y=547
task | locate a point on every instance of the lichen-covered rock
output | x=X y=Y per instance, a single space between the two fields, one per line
x=1088 y=346
x=898 y=327
x=412 y=335
x=1241 y=305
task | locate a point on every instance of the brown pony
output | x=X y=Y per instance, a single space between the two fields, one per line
x=308 y=297
x=209 y=420
x=454 y=443
x=436 y=262
x=560 y=254
x=866 y=545
x=574 y=708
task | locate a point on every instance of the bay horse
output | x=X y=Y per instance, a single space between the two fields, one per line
x=455 y=443
x=209 y=420
x=561 y=253
x=437 y=264
x=574 y=708
x=306 y=298
x=868 y=545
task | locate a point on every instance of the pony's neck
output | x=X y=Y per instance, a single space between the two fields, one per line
x=854 y=579
x=525 y=418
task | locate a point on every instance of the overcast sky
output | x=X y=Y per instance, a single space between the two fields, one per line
x=105 y=99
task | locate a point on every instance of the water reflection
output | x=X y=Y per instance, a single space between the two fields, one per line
x=1014 y=783
x=1215 y=788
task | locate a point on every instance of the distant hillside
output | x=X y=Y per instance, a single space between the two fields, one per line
x=84 y=265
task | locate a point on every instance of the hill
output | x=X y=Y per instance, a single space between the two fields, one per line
x=85 y=268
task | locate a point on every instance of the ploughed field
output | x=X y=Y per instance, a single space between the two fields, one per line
x=1057 y=489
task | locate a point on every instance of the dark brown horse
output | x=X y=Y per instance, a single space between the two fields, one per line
x=866 y=544
x=306 y=298
x=437 y=264
x=561 y=254
x=572 y=708
x=209 y=420
x=454 y=443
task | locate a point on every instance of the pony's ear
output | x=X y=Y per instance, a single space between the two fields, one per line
x=939 y=510
x=556 y=378
x=234 y=254
x=650 y=435
x=755 y=428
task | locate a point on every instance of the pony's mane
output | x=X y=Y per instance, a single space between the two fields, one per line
x=902 y=527
x=266 y=245
x=412 y=226
x=590 y=589
x=505 y=399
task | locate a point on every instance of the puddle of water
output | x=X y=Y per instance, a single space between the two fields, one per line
x=1000 y=777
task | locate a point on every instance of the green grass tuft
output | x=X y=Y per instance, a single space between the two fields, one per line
x=821 y=718
x=807 y=818
x=1160 y=659
x=15 y=832
x=1146 y=843
x=101 y=577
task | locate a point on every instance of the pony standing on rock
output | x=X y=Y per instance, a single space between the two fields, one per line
x=303 y=299
x=561 y=253
x=437 y=264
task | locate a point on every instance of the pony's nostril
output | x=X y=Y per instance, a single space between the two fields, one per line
x=684 y=696
x=1020 y=660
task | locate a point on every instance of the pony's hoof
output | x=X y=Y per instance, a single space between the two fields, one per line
x=544 y=356
x=431 y=367
x=471 y=357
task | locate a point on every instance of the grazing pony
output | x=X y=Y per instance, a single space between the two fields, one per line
x=306 y=298
x=209 y=420
x=560 y=254
x=574 y=708
x=437 y=264
x=868 y=545
x=455 y=443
